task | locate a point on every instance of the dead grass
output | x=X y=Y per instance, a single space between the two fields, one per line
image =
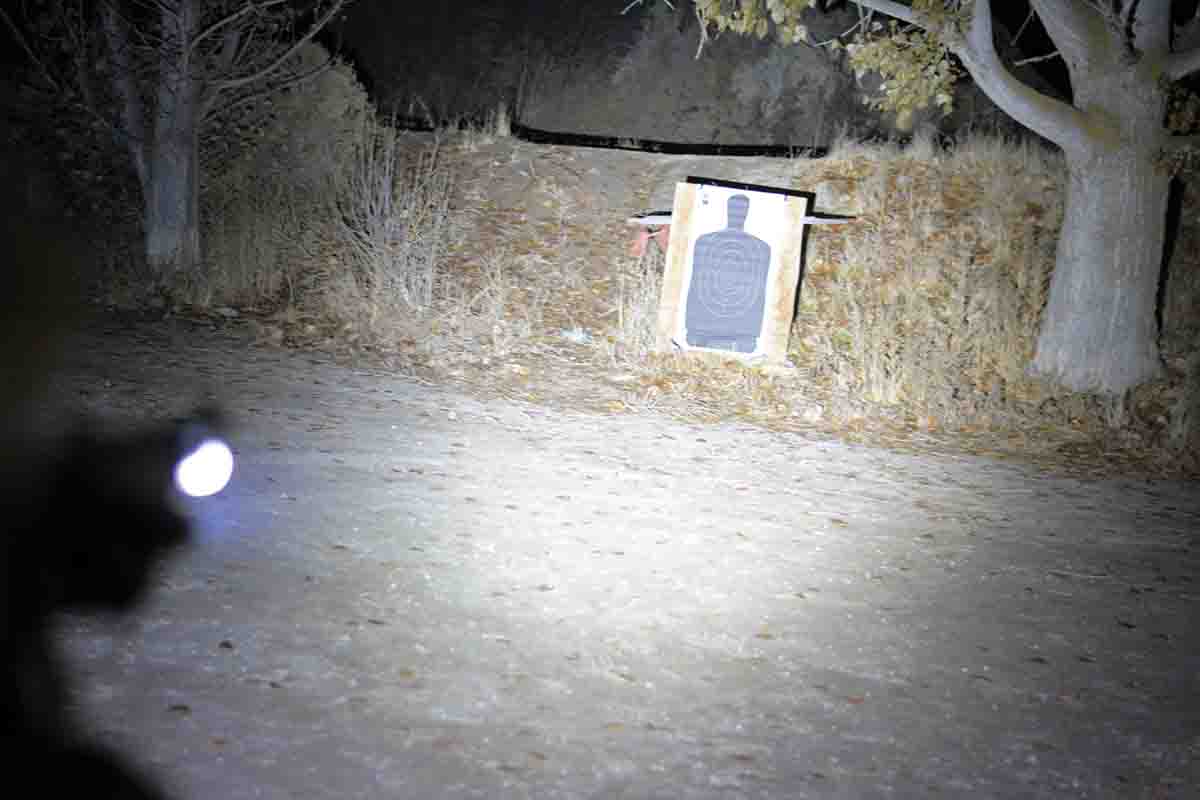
x=270 y=185
x=477 y=256
x=392 y=228
x=929 y=304
x=923 y=315
x=639 y=285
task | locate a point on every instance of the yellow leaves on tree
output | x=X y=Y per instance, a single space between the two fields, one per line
x=913 y=61
x=916 y=70
x=754 y=17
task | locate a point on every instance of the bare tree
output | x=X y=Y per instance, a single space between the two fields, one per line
x=156 y=71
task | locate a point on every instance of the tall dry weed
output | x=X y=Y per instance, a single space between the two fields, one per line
x=329 y=213
x=639 y=285
x=393 y=219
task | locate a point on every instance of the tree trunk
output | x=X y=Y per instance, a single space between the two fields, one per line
x=172 y=224
x=1099 y=331
x=172 y=191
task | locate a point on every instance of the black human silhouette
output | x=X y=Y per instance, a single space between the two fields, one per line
x=86 y=520
x=729 y=284
x=85 y=534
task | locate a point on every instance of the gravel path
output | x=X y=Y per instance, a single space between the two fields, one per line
x=410 y=592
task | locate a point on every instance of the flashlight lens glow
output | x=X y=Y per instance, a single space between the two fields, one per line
x=206 y=470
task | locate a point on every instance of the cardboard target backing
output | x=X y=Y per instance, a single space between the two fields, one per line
x=732 y=269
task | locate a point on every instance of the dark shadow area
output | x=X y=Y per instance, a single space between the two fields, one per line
x=536 y=136
x=88 y=515
x=1174 y=216
x=669 y=148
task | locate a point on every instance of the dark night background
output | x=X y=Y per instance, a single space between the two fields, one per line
x=485 y=538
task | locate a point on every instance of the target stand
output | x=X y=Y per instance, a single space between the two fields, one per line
x=733 y=269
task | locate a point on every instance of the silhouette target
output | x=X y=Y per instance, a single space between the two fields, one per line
x=727 y=295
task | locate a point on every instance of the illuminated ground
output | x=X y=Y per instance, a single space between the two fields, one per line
x=413 y=593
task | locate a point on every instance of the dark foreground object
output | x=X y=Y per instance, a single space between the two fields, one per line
x=86 y=523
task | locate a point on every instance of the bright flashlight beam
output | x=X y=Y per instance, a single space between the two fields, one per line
x=205 y=470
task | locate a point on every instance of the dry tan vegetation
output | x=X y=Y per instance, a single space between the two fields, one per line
x=505 y=265
x=929 y=305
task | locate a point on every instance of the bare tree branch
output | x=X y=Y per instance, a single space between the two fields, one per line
x=837 y=37
x=33 y=59
x=75 y=90
x=1028 y=19
x=892 y=9
x=1037 y=59
x=1179 y=65
x=148 y=41
x=1079 y=31
x=633 y=3
x=116 y=32
x=271 y=89
x=1148 y=23
x=230 y=19
x=231 y=45
x=313 y=29
x=1055 y=120
x=1186 y=61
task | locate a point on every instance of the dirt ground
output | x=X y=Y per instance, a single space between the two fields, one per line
x=419 y=591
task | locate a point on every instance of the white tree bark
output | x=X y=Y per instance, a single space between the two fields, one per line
x=1098 y=331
